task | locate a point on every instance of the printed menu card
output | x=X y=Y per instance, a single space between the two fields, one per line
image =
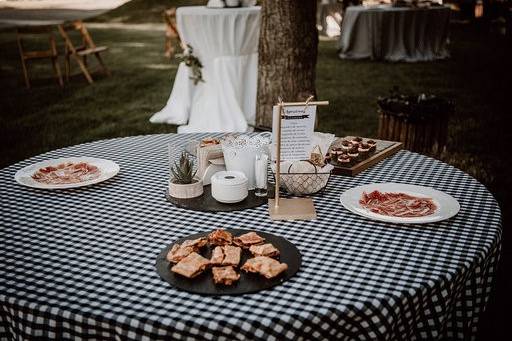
x=297 y=126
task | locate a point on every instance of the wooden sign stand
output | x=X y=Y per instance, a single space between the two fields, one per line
x=294 y=208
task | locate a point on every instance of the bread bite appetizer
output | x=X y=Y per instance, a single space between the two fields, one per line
x=225 y=275
x=268 y=250
x=180 y=251
x=248 y=239
x=265 y=266
x=226 y=255
x=191 y=266
x=220 y=237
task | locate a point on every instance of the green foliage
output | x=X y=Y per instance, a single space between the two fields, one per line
x=144 y=11
x=48 y=117
x=193 y=63
x=183 y=170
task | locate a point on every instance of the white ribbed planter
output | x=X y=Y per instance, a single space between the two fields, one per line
x=186 y=191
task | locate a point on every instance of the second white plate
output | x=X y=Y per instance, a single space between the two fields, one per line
x=108 y=170
x=447 y=206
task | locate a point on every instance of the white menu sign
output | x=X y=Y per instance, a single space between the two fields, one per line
x=297 y=125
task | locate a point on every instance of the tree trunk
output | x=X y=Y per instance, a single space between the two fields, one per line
x=287 y=54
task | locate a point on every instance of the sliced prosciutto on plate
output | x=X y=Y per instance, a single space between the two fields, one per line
x=67 y=173
x=397 y=204
x=400 y=203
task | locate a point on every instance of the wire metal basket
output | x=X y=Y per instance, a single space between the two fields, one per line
x=300 y=184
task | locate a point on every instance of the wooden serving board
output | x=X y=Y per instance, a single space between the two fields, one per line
x=384 y=150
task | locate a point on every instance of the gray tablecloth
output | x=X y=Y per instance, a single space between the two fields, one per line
x=79 y=263
x=395 y=34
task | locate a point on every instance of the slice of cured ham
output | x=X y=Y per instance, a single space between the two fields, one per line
x=397 y=204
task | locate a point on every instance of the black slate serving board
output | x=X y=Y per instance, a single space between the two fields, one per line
x=206 y=203
x=248 y=282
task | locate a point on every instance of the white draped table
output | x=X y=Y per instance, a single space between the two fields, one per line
x=226 y=42
x=395 y=33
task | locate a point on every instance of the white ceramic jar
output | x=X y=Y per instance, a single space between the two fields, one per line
x=229 y=187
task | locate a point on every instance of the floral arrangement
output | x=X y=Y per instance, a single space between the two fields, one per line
x=193 y=63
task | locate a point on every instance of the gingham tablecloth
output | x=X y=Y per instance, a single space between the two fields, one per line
x=80 y=263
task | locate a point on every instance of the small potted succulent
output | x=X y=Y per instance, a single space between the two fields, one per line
x=184 y=184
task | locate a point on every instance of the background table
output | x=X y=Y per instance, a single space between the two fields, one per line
x=81 y=262
x=226 y=42
x=395 y=33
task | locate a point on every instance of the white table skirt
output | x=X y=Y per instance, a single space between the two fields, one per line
x=226 y=43
x=395 y=34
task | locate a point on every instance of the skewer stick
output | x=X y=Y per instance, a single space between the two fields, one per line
x=290 y=104
x=278 y=155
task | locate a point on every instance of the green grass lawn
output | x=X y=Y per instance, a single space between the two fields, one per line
x=144 y=11
x=477 y=77
x=47 y=117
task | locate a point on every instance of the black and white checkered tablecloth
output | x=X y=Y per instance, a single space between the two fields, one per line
x=80 y=263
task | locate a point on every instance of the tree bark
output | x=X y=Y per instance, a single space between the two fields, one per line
x=287 y=54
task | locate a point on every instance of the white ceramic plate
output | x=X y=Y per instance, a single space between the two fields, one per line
x=108 y=170
x=447 y=206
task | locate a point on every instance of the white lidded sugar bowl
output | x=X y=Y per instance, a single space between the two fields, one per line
x=229 y=187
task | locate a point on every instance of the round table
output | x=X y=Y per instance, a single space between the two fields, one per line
x=395 y=33
x=226 y=43
x=80 y=262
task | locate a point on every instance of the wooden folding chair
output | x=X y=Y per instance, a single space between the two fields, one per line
x=27 y=56
x=80 y=53
x=171 y=32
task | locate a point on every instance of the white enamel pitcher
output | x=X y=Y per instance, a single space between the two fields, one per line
x=240 y=153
